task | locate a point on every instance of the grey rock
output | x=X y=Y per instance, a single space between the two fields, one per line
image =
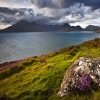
x=82 y=66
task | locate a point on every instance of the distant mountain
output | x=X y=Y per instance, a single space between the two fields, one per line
x=67 y=27
x=92 y=28
x=24 y=26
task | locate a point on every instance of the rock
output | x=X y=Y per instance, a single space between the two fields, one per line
x=83 y=67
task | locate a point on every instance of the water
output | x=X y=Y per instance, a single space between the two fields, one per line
x=15 y=46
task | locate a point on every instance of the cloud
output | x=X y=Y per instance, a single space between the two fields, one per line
x=15 y=3
x=66 y=11
x=66 y=15
x=95 y=4
x=14 y=15
x=74 y=12
x=46 y=3
x=69 y=15
x=4 y=25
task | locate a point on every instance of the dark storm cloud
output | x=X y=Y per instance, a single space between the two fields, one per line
x=52 y=11
x=46 y=3
x=95 y=4
x=66 y=11
x=15 y=15
x=39 y=3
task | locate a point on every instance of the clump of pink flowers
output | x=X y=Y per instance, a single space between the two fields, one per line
x=84 y=83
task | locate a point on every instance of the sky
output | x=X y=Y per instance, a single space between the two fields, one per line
x=74 y=12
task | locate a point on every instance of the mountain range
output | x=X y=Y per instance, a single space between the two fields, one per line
x=92 y=28
x=25 y=26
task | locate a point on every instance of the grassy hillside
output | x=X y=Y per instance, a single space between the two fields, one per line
x=39 y=78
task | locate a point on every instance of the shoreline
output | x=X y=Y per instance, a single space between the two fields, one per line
x=12 y=64
x=15 y=50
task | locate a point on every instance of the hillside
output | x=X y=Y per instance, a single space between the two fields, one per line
x=40 y=77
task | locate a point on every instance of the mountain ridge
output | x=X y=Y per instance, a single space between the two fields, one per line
x=25 y=26
x=92 y=28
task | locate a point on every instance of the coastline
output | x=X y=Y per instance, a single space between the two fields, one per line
x=16 y=47
x=12 y=64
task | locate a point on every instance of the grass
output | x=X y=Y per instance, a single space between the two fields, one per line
x=40 y=78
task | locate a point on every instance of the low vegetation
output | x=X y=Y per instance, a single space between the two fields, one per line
x=39 y=78
x=98 y=31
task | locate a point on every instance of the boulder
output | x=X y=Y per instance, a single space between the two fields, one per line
x=83 y=73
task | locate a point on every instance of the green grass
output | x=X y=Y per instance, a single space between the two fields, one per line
x=40 y=78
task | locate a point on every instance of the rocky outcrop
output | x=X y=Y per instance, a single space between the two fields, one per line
x=82 y=75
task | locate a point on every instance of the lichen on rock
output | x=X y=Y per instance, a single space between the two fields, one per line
x=80 y=75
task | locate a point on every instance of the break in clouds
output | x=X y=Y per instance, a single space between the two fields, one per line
x=74 y=12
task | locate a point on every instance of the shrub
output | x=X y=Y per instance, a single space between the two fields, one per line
x=84 y=83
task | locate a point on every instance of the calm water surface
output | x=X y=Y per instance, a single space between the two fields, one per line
x=15 y=46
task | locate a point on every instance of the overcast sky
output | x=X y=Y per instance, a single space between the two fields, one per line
x=74 y=12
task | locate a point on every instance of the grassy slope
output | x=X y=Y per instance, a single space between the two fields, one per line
x=39 y=78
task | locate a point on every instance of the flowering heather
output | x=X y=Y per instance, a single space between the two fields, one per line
x=84 y=83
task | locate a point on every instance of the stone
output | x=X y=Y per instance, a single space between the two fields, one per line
x=80 y=63
x=82 y=66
